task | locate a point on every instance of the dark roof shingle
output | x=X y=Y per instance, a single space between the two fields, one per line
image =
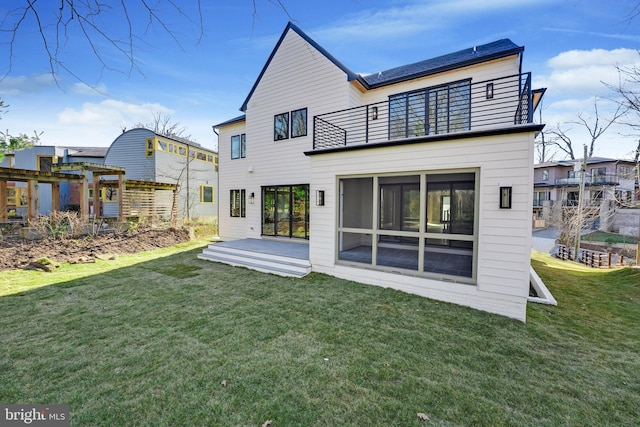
x=462 y=58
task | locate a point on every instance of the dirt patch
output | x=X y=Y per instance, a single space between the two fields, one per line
x=16 y=253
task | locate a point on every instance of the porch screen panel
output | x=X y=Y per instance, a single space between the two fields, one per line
x=356 y=215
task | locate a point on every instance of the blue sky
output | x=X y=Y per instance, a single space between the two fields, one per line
x=571 y=47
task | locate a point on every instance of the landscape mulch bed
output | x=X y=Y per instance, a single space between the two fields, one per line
x=18 y=253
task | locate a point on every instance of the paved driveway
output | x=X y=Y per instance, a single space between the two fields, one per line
x=544 y=240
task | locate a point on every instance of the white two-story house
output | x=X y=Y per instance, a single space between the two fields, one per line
x=417 y=178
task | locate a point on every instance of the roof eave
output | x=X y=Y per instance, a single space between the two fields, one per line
x=350 y=74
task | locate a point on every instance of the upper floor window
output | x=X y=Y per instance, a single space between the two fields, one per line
x=299 y=123
x=545 y=175
x=44 y=163
x=239 y=146
x=439 y=109
x=281 y=126
x=150 y=147
x=598 y=175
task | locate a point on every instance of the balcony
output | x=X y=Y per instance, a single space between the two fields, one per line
x=605 y=179
x=447 y=109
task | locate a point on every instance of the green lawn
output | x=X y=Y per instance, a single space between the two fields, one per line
x=148 y=340
x=604 y=237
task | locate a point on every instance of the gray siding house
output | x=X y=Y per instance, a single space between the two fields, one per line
x=148 y=156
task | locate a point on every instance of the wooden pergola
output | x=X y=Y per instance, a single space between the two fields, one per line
x=55 y=177
x=62 y=173
x=98 y=170
x=139 y=186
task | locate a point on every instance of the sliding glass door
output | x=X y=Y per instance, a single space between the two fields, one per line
x=285 y=211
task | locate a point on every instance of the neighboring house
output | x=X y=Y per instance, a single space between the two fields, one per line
x=148 y=156
x=609 y=184
x=417 y=178
x=43 y=158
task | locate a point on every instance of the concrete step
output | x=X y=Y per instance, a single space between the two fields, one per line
x=266 y=263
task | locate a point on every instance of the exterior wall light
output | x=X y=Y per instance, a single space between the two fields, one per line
x=505 y=197
x=374 y=113
x=319 y=197
x=252 y=198
x=489 y=90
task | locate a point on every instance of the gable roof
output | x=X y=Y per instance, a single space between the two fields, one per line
x=350 y=74
x=474 y=55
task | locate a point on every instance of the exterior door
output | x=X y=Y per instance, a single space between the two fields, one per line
x=285 y=211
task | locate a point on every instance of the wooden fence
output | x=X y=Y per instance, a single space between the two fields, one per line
x=591 y=258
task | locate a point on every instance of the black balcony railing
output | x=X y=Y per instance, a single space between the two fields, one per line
x=604 y=179
x=450 y=108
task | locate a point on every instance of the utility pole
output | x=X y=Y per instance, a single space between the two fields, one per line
x=583 y=171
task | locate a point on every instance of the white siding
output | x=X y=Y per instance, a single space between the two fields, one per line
x=298 y=77
x=128 y=150
x=233 y=175
x=504 y=236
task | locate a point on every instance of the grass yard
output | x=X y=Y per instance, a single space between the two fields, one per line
x=165 y=339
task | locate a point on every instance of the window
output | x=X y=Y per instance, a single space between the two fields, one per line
x=424 y=223
x=238 y=203
x=299 y=123
x=545 y=175
x=206 y=194
x=281 y=126
x=435 y=110
x=239 y=146
x=598 y=175
x=45 y=163
x=538 y=198
x=150 y=147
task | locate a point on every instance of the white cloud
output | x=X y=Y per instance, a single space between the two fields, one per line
x=412 y=18
x=14 y=86
x=583 y=72
x=110 y=113
x=88 y=90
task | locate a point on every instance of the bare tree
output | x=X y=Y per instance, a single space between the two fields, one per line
x=595 y=125
x=58 y=22
x=163 y=124
x=560 y=138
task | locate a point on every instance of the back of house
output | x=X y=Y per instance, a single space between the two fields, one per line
x=417 y=178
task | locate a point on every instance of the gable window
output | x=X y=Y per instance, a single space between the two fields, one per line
x=281 y=126
x=434 y=110
x=238 y=203
x=239 y=146
x=206 y=194
x=299 y=123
